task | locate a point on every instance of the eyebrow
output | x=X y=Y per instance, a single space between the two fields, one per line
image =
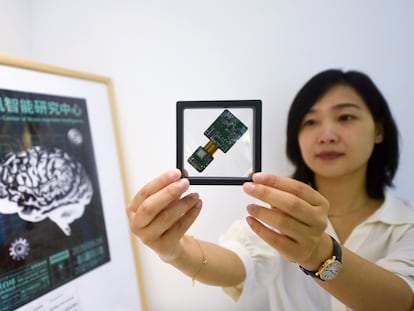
x=346 y=105
x=340 y=106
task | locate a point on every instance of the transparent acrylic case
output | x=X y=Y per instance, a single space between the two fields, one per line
x=219 y=142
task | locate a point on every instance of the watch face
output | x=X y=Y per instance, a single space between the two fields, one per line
x=330 y=270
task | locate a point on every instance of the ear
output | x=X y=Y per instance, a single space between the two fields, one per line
x=379 y=133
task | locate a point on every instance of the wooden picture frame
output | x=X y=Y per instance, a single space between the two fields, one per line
x=64 y=236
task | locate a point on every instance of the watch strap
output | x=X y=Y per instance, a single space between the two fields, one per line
x=337 y=253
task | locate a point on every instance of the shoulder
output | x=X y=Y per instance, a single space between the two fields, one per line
x=396 y=210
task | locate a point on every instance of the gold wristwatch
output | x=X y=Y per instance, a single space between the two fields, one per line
x=331 y=266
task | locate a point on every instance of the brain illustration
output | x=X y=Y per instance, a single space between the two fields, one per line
x=44 y=183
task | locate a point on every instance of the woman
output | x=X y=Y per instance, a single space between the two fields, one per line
x=331 y=238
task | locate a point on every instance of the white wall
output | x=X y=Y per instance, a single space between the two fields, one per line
x=15 y=25
x=161 y=51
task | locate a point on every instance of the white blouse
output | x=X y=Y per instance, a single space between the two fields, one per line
x=386 y=238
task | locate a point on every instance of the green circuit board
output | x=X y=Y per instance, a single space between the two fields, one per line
x=223 y=133
x=225 y=130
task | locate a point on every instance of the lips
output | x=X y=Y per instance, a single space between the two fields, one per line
x=329 y=155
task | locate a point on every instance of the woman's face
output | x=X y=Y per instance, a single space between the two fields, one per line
x=338 y=134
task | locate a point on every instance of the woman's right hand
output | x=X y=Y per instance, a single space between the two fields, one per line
x=160 y=215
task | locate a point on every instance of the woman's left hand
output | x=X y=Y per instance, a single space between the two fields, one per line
x=294 y=223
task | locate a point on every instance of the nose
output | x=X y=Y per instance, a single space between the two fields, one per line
x=328 y=135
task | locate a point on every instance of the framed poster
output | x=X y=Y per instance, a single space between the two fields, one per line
x=64 y=237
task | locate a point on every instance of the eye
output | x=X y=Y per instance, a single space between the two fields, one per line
x=308 y=122
x=346 y=117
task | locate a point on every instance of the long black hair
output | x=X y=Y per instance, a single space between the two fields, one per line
x=383 y=162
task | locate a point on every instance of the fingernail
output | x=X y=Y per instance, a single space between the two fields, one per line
x=248 y=187
x=249 y=220
x=183 y=183
x=198 y=204
x=174 y=174
x=194 y=195
x=258 y=177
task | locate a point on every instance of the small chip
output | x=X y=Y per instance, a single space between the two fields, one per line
x=200 y=159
